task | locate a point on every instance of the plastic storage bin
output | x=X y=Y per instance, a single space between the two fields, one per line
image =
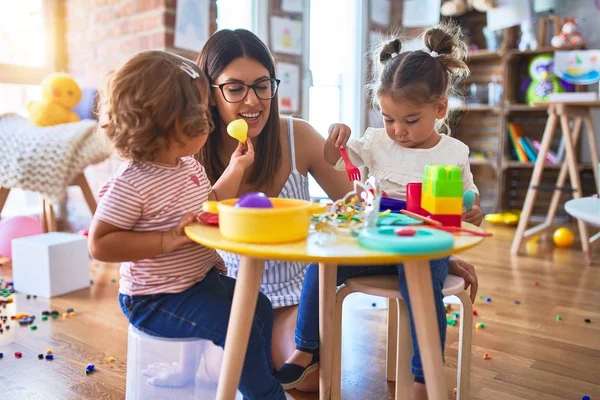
x=159 y=368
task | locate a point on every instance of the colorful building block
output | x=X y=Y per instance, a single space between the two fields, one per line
x=442 y=181
x=442 y=193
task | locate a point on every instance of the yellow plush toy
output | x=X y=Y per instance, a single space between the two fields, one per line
x=60 y=93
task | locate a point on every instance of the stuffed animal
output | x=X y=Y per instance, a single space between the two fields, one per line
x=456 y=8
x=568 y=36
x=528 y=39
x=60 y=93
x=542 y=80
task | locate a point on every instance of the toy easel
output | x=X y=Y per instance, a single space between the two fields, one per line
x=580 y=113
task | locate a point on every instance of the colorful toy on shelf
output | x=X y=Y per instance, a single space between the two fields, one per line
x=528 y=40
x=442 y=193
x=569 y=37
x=238 y=129
x=60 y=93
x=542 y=81
x=254 y=200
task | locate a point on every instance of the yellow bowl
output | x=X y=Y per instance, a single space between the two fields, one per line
x=288 y=220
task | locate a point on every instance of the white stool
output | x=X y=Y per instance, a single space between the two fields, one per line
x=151 y=358
x=399 y=342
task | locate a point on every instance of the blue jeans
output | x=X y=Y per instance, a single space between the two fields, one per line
x=307 y=324
x=202 y=311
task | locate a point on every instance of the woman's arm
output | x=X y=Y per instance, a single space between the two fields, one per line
x=310 y=147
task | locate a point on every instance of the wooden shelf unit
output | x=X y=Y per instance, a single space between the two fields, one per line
x=484 y=128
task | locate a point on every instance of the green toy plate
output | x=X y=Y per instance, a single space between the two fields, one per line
x=425 y=241
x=397 y=219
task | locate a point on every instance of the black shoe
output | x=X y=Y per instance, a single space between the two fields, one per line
x=290 y=375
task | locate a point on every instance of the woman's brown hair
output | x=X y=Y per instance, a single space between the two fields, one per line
x=421 y=76
x=219 y=51
x=149 y=98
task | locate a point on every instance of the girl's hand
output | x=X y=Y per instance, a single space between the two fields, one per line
x=339 y=134
x=466 y=271
x=243 y=155
x=475 y=216
x=175 y=238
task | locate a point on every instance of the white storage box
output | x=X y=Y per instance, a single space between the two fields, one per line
x=165 y=369
x=51 y=264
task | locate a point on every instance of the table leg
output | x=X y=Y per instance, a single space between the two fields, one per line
x=420 y=289
x=240 y=323
x=327 y=287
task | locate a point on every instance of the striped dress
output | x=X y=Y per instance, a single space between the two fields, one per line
x=282 y=280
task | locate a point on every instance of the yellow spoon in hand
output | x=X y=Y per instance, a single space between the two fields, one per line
x=238 y=129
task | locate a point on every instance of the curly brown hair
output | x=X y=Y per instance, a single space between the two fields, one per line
x=149 y=98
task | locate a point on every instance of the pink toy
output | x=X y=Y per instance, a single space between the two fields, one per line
x=568 y=36
x=14 y=228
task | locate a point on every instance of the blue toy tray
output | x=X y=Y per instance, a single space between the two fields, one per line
x=397 y=220
x=425 y=241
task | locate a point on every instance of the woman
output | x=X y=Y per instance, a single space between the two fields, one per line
x=241 y=71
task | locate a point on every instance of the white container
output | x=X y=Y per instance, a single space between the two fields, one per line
x=50 y=264
x=165 y=369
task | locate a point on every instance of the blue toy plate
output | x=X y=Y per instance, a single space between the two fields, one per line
x=397 y=219
x=426 y=241
x=387 y=203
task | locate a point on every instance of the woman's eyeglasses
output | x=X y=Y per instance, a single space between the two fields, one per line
x=235 y=92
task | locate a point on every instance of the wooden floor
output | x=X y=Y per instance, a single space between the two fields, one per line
x=534 y=356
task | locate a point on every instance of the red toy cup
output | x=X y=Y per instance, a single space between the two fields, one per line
x=413 y=198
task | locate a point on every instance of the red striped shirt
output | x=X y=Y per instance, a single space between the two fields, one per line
x=148 y=197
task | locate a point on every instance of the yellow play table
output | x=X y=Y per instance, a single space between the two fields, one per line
x=346 y=251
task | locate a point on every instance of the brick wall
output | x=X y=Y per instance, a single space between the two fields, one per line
x=101 y=34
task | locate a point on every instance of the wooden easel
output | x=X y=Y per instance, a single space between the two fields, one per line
x=580 y=113
x=47 y=216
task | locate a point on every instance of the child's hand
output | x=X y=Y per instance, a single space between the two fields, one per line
x=243 y=155
x=175 y=238
x=339 y=134
x=466 y=271
x=475 y=216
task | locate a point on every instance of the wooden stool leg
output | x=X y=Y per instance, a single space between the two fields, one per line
x=44 y=217
x=535 y=180
x=589 y=128
x=404 y=377
x=4 y=192
x=463 y=368
x=392 y=328
x=336 y=376
x=562 y=176
x=571 y=160
x=87 y=192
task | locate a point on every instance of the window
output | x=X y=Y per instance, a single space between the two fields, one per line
x=235 y=14
x=28 y=52
x=335 y=63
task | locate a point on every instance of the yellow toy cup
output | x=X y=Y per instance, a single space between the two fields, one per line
x=288 y=220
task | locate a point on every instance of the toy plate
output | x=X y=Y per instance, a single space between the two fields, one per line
x=426 y=241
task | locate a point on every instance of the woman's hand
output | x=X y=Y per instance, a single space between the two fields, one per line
x=466 y=271
x=339 y=134
x=243 y=155
x=475 y=216
x=175 y=238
